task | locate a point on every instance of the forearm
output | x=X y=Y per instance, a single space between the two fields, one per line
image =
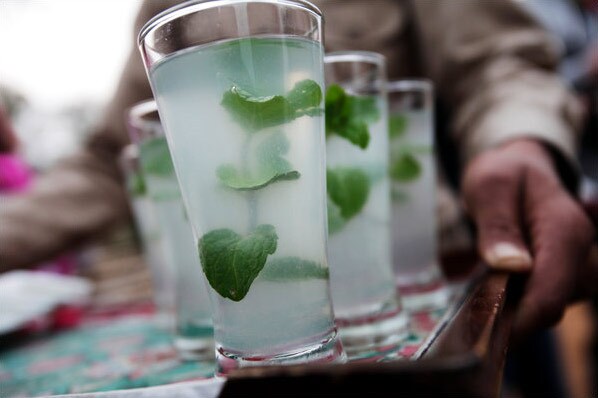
x=78 y=200
x=497 y=75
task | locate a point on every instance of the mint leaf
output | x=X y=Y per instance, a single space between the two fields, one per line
x=231 y=262
x=348 y=188
x=406 y=168
x=364 y=108
x=336 y=222
x=335 y=99
x=358 y=133
x=233 y=178
x=397 y=125
x=272 y=167
x=348 y=116
x=155 y=157
x=291 y=269
x=305 y=95
x=256 y=112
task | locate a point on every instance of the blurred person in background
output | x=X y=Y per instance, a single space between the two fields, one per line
x=573 y=25
x=16 y=176
x=514 y=126
x=14 y=173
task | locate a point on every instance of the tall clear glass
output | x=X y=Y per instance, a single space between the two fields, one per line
x=239 y=89
x=366 y=302
x=413 y=174
x=193 y=318
x=148 y=228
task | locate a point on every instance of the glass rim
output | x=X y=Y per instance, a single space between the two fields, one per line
x=191 y=6
x=136 y=112
x=398 y=85
x=356 y=56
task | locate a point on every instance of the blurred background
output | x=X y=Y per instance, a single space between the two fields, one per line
x=53 y=96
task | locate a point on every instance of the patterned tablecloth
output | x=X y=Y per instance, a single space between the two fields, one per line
x=133 y=351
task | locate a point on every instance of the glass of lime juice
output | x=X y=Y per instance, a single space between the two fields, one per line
x=413 y=181
x=193 y=329
x=150 y=239
x=366 y=302
x=239 y=87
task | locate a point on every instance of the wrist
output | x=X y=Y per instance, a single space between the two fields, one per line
x=547 y=156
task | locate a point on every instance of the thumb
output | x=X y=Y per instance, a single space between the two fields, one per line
x=492 y=201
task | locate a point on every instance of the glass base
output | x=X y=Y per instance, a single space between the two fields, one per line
x=422 y=298
x=374 y=334
x=194 y=348
x=329 y=350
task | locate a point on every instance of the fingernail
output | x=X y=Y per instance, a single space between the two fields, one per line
x=506 y=256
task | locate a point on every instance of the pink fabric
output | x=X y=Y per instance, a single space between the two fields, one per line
x=15 y=175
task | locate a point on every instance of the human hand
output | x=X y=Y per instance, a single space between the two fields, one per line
x=528 y=223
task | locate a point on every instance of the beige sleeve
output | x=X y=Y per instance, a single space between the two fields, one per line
x=494 y=67
x=82 y=196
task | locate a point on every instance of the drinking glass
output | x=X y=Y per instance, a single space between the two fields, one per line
x=239 y=89
x=413 y=175
x=150 y=237
x=193 y=319
x=366 y=302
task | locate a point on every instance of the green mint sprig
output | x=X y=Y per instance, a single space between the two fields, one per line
x=348 y=116
x=230 y=261
x=405 y=166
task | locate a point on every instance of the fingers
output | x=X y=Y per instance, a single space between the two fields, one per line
x=561 y=237
x=492 y=198
x=515 y=188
